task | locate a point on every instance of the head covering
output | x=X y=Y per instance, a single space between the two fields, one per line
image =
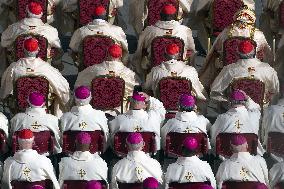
x=238 y=139
x=134 y=138
x=36 y=99
x=82 y=92
x=138 y=97
x=93 y=184
x=190 y=143
x=205 y=186
x=246 y=47
x=83 y=138
x=172 y=49
x=186 y=100
x=115 y=51
x=169 y=9
x=34 y=10
x=25 y=134
x=37 y=187
x=99 y=10
x=245 y=15
x=150 y=183
x=238 y=95
x=31 y=46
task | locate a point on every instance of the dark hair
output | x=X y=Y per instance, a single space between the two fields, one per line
x=186 y=109
x=188 y=153
x=248 y=56
x=167 y=17
x=103 y=17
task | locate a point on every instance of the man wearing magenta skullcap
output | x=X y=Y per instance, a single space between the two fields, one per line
x=30 y=65
x=189 y=168
x=137 y=165
x=242 y=117
x=26 y=164
x=83 y=117
x=111 y=66
x=102 y=27
x=242 y=166
x=36 y=119
x=187 y=120
x=150 y=183
x=82 y=165
x=146 y=114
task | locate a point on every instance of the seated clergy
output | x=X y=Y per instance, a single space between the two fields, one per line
x=33 y=66
x=189 y=168
x=36 y=119
x=242 y=117
x=82 y=116
x=146 y=114
x=150 y=183
x=82 y=165
x=242 y=166
x=276 y=174
x=137 y=166
x=27 y=165
x=187 y=120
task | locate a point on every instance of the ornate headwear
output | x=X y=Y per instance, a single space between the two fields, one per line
x=245 y=15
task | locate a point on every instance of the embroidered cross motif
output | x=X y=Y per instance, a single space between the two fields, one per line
x=139 y=171
x=189 y=176
x=169 y=32
x=100 y=33
x=251 y=70
x=32 y=27
x=82 y=173
x=35 y=125
x=83 y=125
x=27 y=173
x=244 y=173
x=187 y=130
x=238 y=124
x=137 y=129
x=30 y=70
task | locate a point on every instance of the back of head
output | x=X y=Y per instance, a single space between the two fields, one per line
x=34 y=10
x=134 y=142
x=238 y=97
x=239 y=143
x=138 y=101
x=83 y=141
x=31 y=47
x=93 y=184
x=115 y=52
x=99 y=12
x=187 y=103
x=150 y=183
x=172 y=52
x=25 y=139
x=168 y=12
x=82 y=95
x=189 y=146
x=247 y=49
x=36 y=100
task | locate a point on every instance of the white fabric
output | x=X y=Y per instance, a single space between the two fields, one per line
x=36 y=119
x=84 y=118
x=35 y=66
x=82 y=166
x=189 y=169
x=136 y=167
x=243 y=167
x=141 y=120
x=4 y=124
x=28 y=165
x=185 y=122
x=276 y=174
x=166 y=68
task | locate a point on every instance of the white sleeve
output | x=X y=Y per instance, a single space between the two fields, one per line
x=156 y=108
x=276 y=174
x=76 y=41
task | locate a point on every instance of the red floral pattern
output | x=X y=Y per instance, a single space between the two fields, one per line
x=275 y=143
x=223 y=13
x=223 y=146
x=170 y=89
x=191 y=185
x=120 y=143
x=25 y=85
x=254 y=88
x=158 y=48
x=97 y=144
x=174 y=141
x=86 y=9
x=21 y=8
x=238 y=184
x=260 y=54
x=76 y=184
x=107 y=93
x=154 y=9
x=95 y=49
x=281 y=8
x=47 y=184
x=19 y=44
x=130 y=185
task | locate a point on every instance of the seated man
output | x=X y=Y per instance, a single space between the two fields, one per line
x=276 y=174
x=82 y=165
x=189 y=168
x=36 y=119
x=146 y=114
x=33 y=66
x=150 y=183
x=137 y=166
x=83 y=117
x=27 y=165
x=166 y=26
x=112 y=66
x=242 y=117
x=99 y=26
x=242 y=166
x=31 y=25
x=187 y=120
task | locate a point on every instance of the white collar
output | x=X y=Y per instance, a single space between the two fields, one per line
x=137 y=113
x=241 y=156
x=187 y=160
x=98 y=21
x=138 y=156
x=186 y=116
x=35 y=111
x=81 y=109
x=32 y=21
x=82 y=156
x=167 y=24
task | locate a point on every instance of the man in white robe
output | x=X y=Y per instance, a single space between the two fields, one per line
x=83 y=117
x=32 y=66
x=167 y=26
x=187 y=120
x=27 y=164
x=276 y=174
x=36 y=119
x=99 y=26
x=137 y=166
x=242 y=117
x=242 y=166
x=189 y=168
x=82 y=165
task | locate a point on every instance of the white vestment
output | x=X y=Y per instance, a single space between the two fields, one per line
x=276 y=174
x=84 y=118
x=189 y=169
x=141 y=120
x=185 y=122
x=135 y=167
x=37 y=67
x=36 y=119
x=82 y=166
x=28 y=165
x=4 y=124
x=242 y=167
